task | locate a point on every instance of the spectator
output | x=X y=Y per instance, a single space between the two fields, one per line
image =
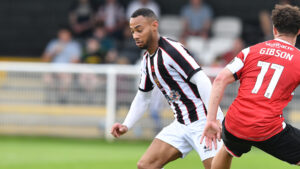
x=266 y=25
x=265 y=22
x=89 y=82
x=81 y=18
x=105 y=41
x=93 y=52
x=113 y=58
x=61 y=50
x=112 y=15
x=108 y=45
x=136 y=4
x=227 y=57
x=197 y=17
x=127 y=48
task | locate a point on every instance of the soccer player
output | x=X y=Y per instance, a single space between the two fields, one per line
x=268 y=72
x=169 y=66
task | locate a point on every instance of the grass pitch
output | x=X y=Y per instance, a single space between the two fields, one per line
x=57 y=153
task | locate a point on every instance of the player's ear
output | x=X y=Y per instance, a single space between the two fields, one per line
x=155 y=25
x=298 y=32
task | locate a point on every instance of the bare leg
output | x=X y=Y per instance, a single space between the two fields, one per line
x=157 y=155
x=222 y=160
x=207 y=163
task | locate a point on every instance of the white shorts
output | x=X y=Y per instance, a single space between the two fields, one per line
x=186 y=138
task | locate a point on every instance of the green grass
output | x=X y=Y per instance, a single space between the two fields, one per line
x=54 y=153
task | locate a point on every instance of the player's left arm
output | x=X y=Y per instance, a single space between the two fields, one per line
x=229 y=74
x=224 y=78
x=204 y=86
x=138 y=107
x=212 y=130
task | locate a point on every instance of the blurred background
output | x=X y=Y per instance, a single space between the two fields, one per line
x=70 y=68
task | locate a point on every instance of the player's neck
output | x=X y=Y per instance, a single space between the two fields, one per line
x=154 y=45
x=289 y=39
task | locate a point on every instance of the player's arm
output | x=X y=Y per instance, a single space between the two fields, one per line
x=224 y=78
x=204 y=87
x=186 y=65
x=139 y=104
x=229 y=74
x=212 y=130
x=138 y=107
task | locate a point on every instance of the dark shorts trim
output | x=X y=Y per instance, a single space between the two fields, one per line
x=284 y=145
x=230 y=152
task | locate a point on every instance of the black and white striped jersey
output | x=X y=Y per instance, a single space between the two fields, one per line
x=171 y=68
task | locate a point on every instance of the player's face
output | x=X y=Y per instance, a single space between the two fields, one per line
x=142 y=31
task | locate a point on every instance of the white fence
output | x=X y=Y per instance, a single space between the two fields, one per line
x=77 y=100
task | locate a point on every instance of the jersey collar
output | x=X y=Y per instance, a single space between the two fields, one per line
x=159 y=41
x=153 y=53
x=283 y=41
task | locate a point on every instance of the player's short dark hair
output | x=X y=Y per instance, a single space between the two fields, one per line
x=145 y=12
x=286 y=19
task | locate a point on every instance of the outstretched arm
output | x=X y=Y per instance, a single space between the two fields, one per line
x=138 y=107
x=212 y=130
x=204 y=87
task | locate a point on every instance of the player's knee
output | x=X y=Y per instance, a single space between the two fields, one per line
x=143 y=164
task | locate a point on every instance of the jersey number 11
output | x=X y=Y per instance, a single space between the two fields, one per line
x=264 y=68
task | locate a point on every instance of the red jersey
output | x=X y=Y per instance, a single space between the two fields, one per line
x=268 y=72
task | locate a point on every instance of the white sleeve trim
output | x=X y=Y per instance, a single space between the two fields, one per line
x=138 y=107
x=246 y=52
x=236 y=65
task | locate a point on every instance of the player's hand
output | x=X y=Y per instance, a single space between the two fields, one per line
x=118 y=129
x=211 y=133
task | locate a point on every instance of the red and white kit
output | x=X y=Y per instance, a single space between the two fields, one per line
x=264 y=71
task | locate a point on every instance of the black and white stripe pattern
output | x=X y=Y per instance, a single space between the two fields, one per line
x=173 y=67
x=145 y=83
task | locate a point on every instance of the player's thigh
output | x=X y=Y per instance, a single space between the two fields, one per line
x=222 y=159
x=284 y=145
x=175 y=135
x=233 y=145
x=168 y=145
x=160 y=153
x=207 y=163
